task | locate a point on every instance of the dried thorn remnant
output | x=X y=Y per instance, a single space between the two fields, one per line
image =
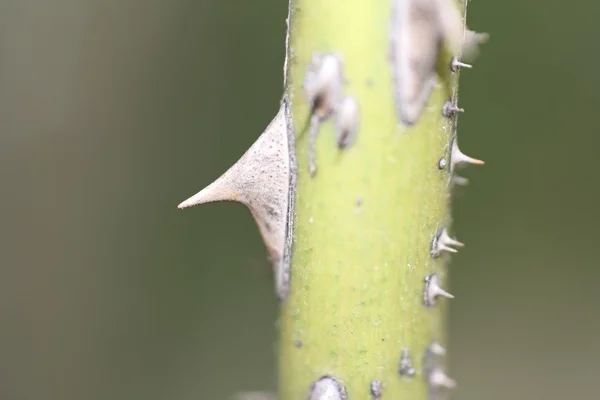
x=260 y=180
x=450 y=108
x=376 y=389
x=455 y=64
x=323 y=86
x=405 y=367
x=457 y=157
x=443 y=242
x=347 y=122
x=327 y=388
x=433 y=290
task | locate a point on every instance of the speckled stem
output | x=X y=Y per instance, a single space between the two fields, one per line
x=364 y=225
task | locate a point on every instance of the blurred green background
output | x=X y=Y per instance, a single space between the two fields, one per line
x=114 y=111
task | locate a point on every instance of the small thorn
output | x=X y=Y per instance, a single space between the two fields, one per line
x=472 y=41
x=455 y=64
x=437 y=349
x=459 y=180
x=443 y=242
x=437 y=379
x=433 y=290
x=473 y=38
x=450 y=108
x=457 y=157
x=446 y=248
x=327 y=388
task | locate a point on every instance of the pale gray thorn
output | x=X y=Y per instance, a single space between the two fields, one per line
x=443 y=242
x=456 y=64
x=437 y=349
x=459 y=180
x=472 y=41
x=438 y=379
x=450 y=108
x=457 y=157
x=432 y=290
x=260 y=180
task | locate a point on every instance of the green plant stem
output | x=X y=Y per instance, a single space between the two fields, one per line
x=364 y=224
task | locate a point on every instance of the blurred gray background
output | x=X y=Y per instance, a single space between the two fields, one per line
x=114 y=111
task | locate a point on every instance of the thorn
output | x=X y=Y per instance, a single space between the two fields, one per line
x=437 y=379
x=450 y=108
x=457 y=157
x=448 y=249
x=437 y=349
x=376 y=389
x=471 y=43
x=455 y=64
x=260 y=180
x=327 y=388
x=346 y=123
x=443 y=242
x=459 y=180
x=433 y=290
x=472 y=37
x=405 y=367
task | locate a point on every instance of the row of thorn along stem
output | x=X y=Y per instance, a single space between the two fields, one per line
x=264 y=178
x=417 y=29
